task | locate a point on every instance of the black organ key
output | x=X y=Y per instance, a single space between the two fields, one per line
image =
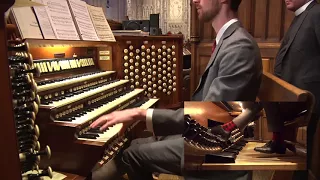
x=88 y=136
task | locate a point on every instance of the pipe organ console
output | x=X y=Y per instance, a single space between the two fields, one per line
x=26 y=107
x=201 y=146
x=153 y=63
x=64 y=95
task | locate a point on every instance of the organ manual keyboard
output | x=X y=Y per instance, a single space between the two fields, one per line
x=76 y=85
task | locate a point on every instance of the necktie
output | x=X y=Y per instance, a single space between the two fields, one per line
x=214 y=46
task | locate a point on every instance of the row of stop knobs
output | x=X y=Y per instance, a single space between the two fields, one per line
x=26 y=106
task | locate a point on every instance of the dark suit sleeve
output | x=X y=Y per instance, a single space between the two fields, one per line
x=168 y=122
x=316 y=21
x=238 y=68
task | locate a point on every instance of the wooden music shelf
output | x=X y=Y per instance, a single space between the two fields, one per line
x=248 y=159
x=37 y=43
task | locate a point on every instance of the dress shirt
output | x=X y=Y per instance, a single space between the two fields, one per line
x=302 y=8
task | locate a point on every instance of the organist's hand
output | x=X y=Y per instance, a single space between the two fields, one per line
x=126 y=117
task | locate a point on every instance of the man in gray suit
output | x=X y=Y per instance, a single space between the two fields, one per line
x=233 y=73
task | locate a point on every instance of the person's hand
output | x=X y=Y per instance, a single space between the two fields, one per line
x=126 y=117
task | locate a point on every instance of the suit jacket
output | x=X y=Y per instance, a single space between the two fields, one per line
x=298 y=60
x=234 y=70
x=233 y=73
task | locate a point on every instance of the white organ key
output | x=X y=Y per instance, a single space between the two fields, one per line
x=106 y=107
x=72 y=81
x=86 y=94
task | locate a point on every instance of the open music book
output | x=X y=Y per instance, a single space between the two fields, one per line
x=83 y=21
x=44 y=21
x=26 y=22
x=61 y=19
x=101 y=24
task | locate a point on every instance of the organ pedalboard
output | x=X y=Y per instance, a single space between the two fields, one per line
x=26 y=106
x=72 y=94
x=199 y=141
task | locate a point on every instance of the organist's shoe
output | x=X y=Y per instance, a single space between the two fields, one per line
x=272 y=147
x=219 y=131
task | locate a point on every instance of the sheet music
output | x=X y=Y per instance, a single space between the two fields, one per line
x=61 y=19
x=83 y=20
x=101 y=24
x=26 y=22
x=44 y=21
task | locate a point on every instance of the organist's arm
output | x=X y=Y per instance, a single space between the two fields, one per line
x=164 y=122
